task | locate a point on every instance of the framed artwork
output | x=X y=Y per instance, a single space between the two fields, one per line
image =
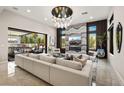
x=119 y=32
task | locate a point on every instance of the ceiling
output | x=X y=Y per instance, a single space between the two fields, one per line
x=43 y=13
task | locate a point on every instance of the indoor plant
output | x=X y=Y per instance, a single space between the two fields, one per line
x=101 y=39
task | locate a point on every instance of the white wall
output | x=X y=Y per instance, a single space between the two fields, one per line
x=10 y=19
x=117 y=60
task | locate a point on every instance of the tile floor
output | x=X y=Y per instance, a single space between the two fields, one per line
x=105 y=74
x=10 y=75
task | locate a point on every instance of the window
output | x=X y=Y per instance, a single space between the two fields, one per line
x=63 y=42
x=63 y=39
x=92 y=41
x=92 y=28
x=92 y=37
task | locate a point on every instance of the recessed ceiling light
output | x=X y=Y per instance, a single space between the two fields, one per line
x=28 y=10
x=45 y=19
x=91 y=17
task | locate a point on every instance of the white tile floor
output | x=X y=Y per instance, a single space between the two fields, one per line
x=10 y=75
x=14 y=76
x=106 y=75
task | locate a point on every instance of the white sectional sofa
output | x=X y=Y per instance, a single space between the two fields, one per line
x=46 y=68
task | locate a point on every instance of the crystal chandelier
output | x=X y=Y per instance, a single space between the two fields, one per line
x=62 y=16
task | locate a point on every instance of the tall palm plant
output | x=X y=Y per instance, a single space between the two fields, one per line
x=101 y=39
x=101 y=42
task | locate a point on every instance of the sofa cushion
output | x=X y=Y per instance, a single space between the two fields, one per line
x=69 y=63
x=82 y=61
x=47 y=58
x=86 y=56
x=36 y=56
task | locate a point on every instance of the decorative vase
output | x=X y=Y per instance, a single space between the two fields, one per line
x=100 y=53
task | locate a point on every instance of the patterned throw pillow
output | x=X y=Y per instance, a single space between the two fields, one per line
x=80 y=56
x=82 y=61
x=68 y=57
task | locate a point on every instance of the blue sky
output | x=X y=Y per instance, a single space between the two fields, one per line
x=75 y=38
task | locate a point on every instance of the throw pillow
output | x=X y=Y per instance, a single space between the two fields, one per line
x=80 y=56
x=71 y=57
x=82 y=61
x=68 y=57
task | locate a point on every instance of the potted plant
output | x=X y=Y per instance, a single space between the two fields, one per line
x=101 y=44
x=38 y=41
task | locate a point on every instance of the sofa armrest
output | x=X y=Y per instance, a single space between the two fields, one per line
x=60 y=75
x=84 y=72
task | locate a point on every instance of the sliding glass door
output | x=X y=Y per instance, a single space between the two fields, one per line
x=23 y=41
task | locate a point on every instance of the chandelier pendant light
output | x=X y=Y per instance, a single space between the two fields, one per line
x=62 y=16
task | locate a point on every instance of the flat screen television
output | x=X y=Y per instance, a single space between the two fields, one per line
x=75 y=40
